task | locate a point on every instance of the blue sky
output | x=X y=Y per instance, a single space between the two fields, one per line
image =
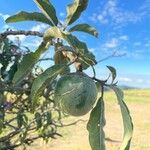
x=123 y=26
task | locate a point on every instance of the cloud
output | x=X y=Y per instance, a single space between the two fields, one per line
x=147 y=44
x=113 y=43
x=123 y=37
x=140 y=80
x=125 y=79
x=39 y=27
x=137 y=43
x=15 y=37
x=4 y=16
x=61 y=14
x=112 y=13
x=134 y=80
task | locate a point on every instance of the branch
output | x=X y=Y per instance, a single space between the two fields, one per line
x=20 y=32
x=114 y=54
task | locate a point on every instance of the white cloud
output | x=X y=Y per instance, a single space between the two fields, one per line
x=61 y=14
x=39 y=27
x=125 y=79
x=112 y=13
x=147 y=44
x=15 y=37
x=137 y=44
x=92 y=49
x=140 y=80
x=4 y=16
x=113 y=43
x=102 y=19
x=123 y=37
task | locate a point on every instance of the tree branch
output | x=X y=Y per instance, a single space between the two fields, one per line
x=20 y=32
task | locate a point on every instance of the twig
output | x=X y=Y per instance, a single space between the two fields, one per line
x=114 y=54
x=70 y=124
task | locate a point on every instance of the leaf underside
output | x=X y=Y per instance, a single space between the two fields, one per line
x=26 y=16
x=84 y=28
x=74 y=10
x=127 y=120
x=95 y=126
x=48 y=10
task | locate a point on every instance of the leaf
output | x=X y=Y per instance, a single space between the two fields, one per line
x=95 y=126
x=26 y=16
x=49 y=118
x=113 y=72
x=84 y=28
x=74 y=10
x=87 y=58
x=28 y=62
x=54 y=32
x=127 y=120
x=59 y=58
x=19 y=119
x=12 y=71
x=48 y=10
x=38 y=120
x=43 y=79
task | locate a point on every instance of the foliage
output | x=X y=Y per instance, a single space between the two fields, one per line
x=34 y=92
x=19 y=126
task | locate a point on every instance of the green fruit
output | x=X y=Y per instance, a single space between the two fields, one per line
x=75 y=94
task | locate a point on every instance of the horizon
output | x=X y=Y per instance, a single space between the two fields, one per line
x=123 y=28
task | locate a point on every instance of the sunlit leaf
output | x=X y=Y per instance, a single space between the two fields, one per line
x=54 y=32
x=74 y=10
x=95 y=126
x=84 y=28
x=127 y=121
x=26 y=16
x=48 y=10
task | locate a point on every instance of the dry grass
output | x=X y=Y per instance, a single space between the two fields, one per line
x=76 y=137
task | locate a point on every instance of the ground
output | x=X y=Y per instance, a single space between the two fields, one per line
x=75 y=137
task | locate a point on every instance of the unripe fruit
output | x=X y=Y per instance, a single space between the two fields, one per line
x=75 y=94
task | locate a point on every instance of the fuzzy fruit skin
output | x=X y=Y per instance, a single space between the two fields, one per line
x=75 y=94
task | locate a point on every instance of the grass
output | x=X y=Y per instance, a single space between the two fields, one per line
x=75 y=137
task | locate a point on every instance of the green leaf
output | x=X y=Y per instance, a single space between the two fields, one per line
x=43 y=80
x=87 y=58
x=28 y=62
x=19 y=119
x=38 y=120
x=26 y=16
x=95 y=126
x=74 y=10
x=48 y=10
x=84 y=28
x=127 y=120
x=113 y=72
x=49 y=118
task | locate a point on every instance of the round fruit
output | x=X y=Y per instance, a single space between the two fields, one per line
x=75 y=94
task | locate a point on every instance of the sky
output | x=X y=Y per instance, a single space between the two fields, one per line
x=123 y=27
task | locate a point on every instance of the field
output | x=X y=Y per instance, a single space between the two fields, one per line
x=75 y=137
